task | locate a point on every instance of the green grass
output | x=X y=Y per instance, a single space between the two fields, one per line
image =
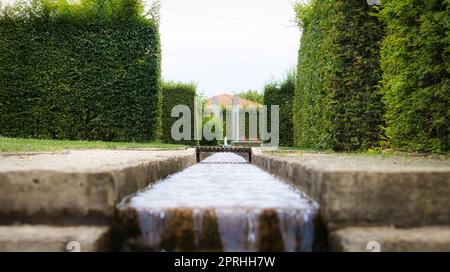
x=34 y=145
x=377 y=152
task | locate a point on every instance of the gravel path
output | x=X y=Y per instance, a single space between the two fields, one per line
x=83 y=159
x=357 y=162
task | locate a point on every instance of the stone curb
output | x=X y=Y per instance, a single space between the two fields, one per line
x=41 y=238
x=43 y=196
x=429 y=239
x=367 y=198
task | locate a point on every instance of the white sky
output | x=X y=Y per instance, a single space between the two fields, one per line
x=227 y=45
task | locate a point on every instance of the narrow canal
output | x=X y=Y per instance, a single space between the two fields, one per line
x=224 y=204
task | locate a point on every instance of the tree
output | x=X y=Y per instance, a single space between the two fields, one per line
x=252 y=95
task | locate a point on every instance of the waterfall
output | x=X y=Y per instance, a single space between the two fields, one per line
x=224 y=204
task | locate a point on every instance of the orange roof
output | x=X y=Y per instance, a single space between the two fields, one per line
x=225 y=100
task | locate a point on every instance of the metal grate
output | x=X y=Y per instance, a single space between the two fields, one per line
x=218 y=149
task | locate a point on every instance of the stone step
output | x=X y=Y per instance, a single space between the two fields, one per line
x=42 y=238
x=385 y=239
x=361 y=190
x=70 y=186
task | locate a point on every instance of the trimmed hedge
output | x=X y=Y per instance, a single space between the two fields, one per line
x=89 y=71
x=416 y=81
x=175 y=93
x=281 y=93
x=337 y=103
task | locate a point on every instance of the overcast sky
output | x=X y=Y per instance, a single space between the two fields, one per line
x=227 y=45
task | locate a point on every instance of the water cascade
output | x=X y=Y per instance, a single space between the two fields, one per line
x=224 y=204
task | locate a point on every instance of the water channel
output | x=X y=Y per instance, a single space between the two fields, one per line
x=224 y=204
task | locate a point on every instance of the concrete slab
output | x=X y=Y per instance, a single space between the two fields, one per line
x=357 y=190
x=78 y=185
x=391 y=239
x=41 y=238
x=366 y=162
x=92 y=160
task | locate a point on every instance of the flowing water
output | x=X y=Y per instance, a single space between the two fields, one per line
x=224 y=204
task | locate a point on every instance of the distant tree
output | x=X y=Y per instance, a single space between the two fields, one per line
x=252 y=95
x=154 y=11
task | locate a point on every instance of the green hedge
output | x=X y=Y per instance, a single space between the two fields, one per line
x=89 y=71
x=175 y=93
x=337 y=103
x=416 y=67
x=281 y=93
x=252 y=95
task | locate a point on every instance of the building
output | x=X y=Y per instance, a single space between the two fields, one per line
x=226 y=100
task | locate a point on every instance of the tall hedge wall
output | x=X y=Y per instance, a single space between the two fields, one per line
x=88 y=71
x=281 y=93
x=416 y=68
x=337 y=103
x=176 y=93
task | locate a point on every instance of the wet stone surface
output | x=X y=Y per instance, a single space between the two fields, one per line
x=224 y=204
